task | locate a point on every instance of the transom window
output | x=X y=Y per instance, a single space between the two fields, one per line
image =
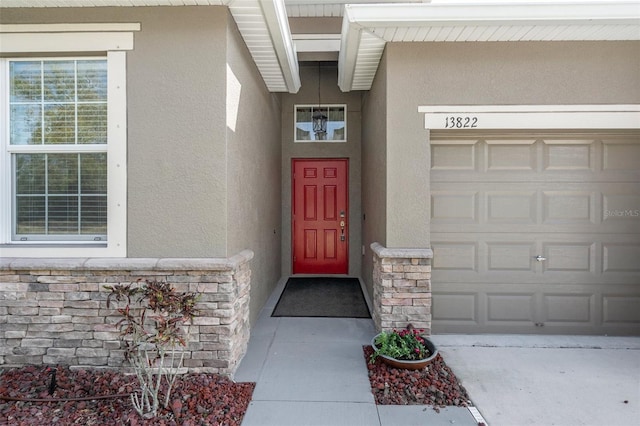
x=320 y=123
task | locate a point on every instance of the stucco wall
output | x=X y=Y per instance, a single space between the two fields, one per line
x=253 y=175
x=176 y=128
x=374 y=169
x=177 y=153
x=329 y=94
x=534 y=73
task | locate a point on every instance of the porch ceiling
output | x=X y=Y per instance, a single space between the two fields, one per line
x=369 y=24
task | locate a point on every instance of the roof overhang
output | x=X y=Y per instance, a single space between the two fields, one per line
x=265 y=29
x=367 y=28
x=263 y=24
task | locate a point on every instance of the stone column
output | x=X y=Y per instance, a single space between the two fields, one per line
x=401 y=288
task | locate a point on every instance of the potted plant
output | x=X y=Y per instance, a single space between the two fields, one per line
x=406 y=348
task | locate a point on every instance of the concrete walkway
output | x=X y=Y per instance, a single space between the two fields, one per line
x=311 y=371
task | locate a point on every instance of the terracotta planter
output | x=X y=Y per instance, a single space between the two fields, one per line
x=408 y=364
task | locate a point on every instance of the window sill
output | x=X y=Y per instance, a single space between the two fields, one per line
x=61 y=250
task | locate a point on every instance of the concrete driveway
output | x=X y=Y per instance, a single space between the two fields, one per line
x=548 y=380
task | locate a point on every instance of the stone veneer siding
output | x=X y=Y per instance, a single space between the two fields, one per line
x=401 y=288
x=54 y=311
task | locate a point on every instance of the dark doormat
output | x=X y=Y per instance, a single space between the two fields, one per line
x=322 y=297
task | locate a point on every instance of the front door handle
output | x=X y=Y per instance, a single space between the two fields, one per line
x=342 y=237
x=540 y=258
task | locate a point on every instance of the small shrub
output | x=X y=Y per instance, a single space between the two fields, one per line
x=407 y=344
x=153 y=314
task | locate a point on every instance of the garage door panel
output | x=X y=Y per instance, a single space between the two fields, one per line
x=456 y=155
x=621 y=154
x=460 y=256
x=621 y=209
x=620 y=257
x=518 y=155
x=499 y=202
x=503 y=256
x=621 y=309
x=556 y=207
x=509 y=308
x=573 y=207
x=607 y=159
x=511 y=207
x=584 y=257
x=559 y=176
x=569 y=309
x=568 y=155
x=455 y=308
x=455 y=207
x=569 y=257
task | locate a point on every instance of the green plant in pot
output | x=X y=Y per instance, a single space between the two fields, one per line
x=406 y=348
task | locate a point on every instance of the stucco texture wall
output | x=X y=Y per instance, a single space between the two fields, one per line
x=177 y=151
x=176 y=165
x=536 y=73
x=253 y=175
x=374 y=169
x=525 y=73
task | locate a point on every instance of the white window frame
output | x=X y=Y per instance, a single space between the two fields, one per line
x=110 y=41
x=295 y=122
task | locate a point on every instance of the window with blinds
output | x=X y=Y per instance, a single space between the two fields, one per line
x=58 y=149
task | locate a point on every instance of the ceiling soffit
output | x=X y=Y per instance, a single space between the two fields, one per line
x=367 y=28
x=264 y=27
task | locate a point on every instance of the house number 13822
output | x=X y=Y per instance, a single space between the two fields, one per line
x=453 y=122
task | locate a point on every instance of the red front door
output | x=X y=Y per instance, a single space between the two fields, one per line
x=320 y=228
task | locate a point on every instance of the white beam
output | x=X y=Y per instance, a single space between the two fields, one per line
x=275 y=16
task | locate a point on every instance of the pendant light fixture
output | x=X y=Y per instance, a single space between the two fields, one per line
x=318 y=116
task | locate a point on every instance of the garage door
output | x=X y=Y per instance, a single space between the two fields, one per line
x=536 y=233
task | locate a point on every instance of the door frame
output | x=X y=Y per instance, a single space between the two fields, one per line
x=294 y=160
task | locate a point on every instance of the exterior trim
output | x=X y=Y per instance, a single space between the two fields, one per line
x=65 y=28
x=397 y=253
x=128 y=264
x=18 y=38
x=15 y=39
x=492 y=117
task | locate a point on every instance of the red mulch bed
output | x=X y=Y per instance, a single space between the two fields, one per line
x=196 y=399
x=435 y=385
